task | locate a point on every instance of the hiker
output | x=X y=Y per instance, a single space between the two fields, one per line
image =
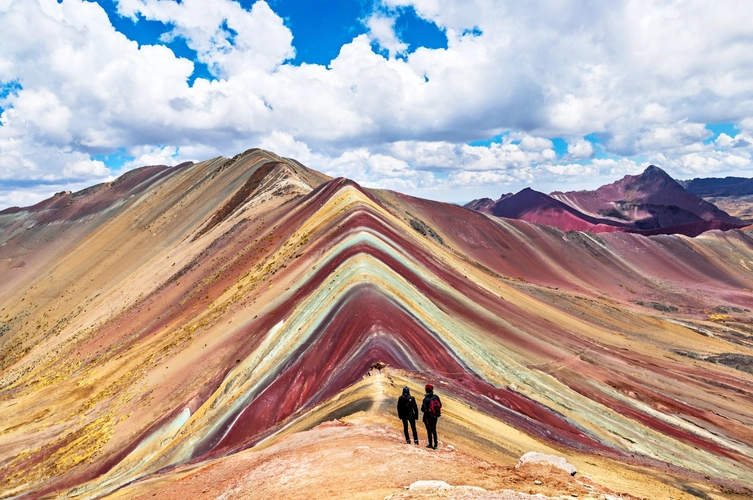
x=407 y=410
x=432 y=409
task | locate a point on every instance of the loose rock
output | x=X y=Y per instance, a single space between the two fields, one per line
x=429 y=485
x=533 y=457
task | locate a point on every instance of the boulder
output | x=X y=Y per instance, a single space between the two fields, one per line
x=533 y=457
x=429 y=485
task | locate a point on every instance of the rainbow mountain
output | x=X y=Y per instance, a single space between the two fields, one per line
x=190 y=315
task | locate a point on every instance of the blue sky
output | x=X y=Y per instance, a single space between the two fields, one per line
x=445 y=99
x=320 y=28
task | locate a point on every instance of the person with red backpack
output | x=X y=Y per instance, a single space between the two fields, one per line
x=431 y=407
x=407 y=411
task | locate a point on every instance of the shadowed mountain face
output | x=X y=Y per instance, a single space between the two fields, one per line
x=650 y=203
x=714 y=186
x=734 y=195
x=186 y=314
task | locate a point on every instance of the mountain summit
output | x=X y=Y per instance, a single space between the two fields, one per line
x=655 y=190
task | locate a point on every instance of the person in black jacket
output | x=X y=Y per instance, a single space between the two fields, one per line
x=431 y=407
x=407 y=410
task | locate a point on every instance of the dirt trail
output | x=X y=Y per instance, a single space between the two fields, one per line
x=380 y=398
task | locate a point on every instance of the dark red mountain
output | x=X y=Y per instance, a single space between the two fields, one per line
x=652 y=200
x=483 y=204
x=649 y=203
x=533 y=206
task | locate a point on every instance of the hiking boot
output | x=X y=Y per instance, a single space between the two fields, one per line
x=434 y=448
x=429 y=446
x=416 y=441
x=407 y=441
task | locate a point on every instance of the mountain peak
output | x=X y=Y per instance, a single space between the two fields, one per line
x=654 y=174
x=654 y=170
x=641 y=188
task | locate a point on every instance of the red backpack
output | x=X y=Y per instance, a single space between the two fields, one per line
x=434 y=408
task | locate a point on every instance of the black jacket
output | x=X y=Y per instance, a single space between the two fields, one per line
x=407 y=409
x=425 y=405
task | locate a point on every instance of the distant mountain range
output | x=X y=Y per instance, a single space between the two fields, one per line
x=649 y=203
x=715 y=186
x=734 y=195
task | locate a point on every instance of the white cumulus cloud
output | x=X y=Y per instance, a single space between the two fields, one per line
x=643 y=77
x=580 y=149
x=382 y=31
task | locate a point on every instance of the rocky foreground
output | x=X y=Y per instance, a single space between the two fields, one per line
x=363 y=455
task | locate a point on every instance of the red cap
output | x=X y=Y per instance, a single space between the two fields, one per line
x=429 y=388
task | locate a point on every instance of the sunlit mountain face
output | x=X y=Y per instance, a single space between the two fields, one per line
x=188 y=315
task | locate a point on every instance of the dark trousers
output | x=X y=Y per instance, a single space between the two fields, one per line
x=412 y=426
x=431 y=430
